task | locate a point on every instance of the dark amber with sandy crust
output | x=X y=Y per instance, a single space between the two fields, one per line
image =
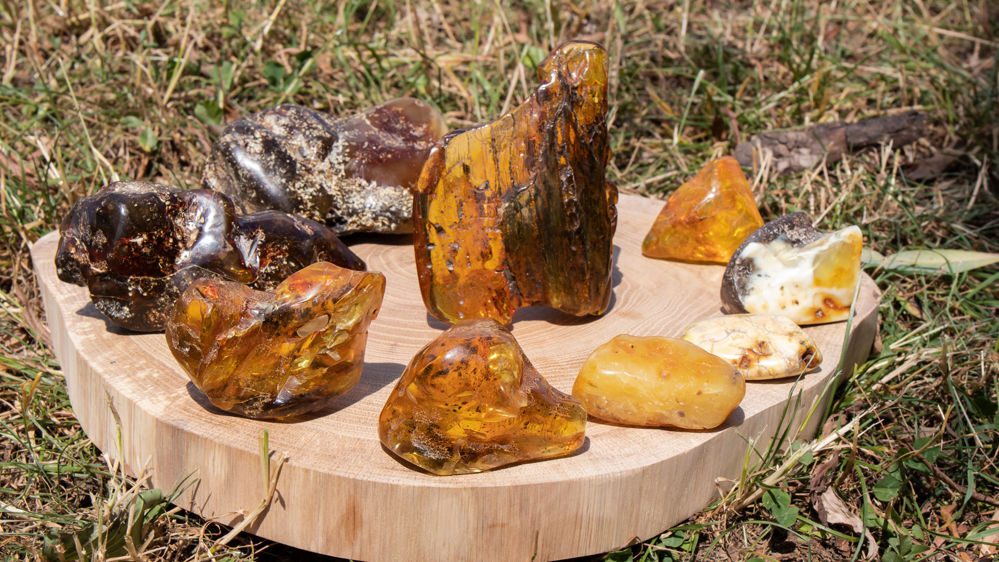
x=518 y=212
x=707 y=218
x=354 y=174
x=279 y=355
x=136 y=246
x=471 y=401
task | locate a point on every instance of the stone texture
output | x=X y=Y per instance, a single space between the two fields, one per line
x=471 y=401
x=354 y=174
x=759 y=346
x=518 y=212
x=707 y=218
x=787 y=267
x=658 y=382
x=280 y=355
x=136 y=246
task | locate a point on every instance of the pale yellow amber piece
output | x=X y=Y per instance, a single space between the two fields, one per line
x=657 y=382
x=760 y=346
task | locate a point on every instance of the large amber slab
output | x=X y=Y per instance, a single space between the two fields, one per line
x=518 y=212
x=707 y=218
x=471 y=401
x=354 y=174
x=658 y=382
x=136 y=246
x=279 y=355
x=786 y=267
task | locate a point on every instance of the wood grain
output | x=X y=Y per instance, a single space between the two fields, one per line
x=340 y=493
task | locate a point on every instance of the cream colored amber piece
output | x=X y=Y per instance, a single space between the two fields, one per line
x=759 y=346
x=471 y=401
x=278 y=355
x=707 y=218
x=658 y=382
x=810 y=284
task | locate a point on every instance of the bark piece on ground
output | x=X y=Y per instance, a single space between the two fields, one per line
x=802 y=149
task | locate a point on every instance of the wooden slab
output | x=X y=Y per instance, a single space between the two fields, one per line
x=342 y=494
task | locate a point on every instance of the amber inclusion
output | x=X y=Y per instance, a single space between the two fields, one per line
x=279 y=355
x=518 y=212
x=471 y=401
x=707 y=218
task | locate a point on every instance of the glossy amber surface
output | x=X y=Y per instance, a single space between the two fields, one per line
x=136 y=246
x=759 y=346
x=658 y=382
x=471 y=401
x=518 y=211
x=707 y=218
x=277 y=355
x=354 y=174
x=789 y=268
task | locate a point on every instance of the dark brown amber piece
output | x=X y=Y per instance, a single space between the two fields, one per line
x=352 y=174
x=136 y=246
x=471 y=401
x=707 y=218
x=518 y=211
x=279 y=355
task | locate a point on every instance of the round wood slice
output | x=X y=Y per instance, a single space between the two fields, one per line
x=341 y=493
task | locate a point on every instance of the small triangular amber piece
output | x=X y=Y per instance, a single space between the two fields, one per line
x=706 y=218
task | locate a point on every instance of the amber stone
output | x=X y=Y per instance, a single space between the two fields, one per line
x=707 y=218
x=787 y=267
x=136 y=246
x=518 y=212
x=658 y=382
x=354 y=174
x=280 y=355
x=471 y=401
x=759 y=346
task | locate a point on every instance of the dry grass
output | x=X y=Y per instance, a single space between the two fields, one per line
x=93 y=93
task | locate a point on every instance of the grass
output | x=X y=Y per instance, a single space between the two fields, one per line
x=89 y=94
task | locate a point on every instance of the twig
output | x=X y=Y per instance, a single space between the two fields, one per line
x=977 y=496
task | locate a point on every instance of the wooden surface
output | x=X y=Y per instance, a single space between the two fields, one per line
x=340 y=493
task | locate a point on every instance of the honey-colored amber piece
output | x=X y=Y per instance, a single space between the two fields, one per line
x=471 y=401
x=759 y=346
x=279 y=355
x=787 y=267
x=707 y=218
x=658 y=382
x=518 y=211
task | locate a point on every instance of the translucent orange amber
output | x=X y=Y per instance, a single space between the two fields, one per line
x=276 y=355
x=518 y=212
x=471 y=401
x=706 y=218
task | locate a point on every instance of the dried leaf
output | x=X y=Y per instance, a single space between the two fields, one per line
x=929 y=168
x=938 y=261
x=833 y=511
x=991 y=536
x=871 y=257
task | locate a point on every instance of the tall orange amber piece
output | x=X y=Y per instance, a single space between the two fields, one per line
x=518 y=212
x=276 y=355
x=471 y=401
x=706 y=218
